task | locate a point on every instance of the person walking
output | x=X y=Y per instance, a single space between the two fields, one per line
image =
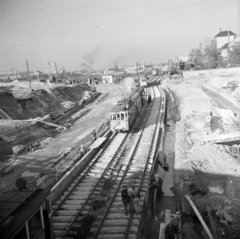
x=125 y=198
x=94 y=134
x=135 y=197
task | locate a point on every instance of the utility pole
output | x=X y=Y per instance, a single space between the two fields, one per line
x=29 y=80
x=50 y=70
x=16 y=74
x=137 y=68
x=56 y=73
x=12 y=73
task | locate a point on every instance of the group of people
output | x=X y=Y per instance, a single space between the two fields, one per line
x=130 y=198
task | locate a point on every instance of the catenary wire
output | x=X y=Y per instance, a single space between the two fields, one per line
x=54 y=5
x=73 y=20
x=114 y=27
x=7 y=9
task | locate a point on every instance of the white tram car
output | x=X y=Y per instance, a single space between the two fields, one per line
x=143 y=82
x=124 y=113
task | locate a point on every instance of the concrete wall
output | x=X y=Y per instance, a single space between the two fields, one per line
x=213 y=72
x=69 y=177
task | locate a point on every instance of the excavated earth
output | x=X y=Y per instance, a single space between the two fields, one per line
x=207 y=153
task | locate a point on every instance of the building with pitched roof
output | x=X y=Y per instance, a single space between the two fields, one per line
x=224 y=37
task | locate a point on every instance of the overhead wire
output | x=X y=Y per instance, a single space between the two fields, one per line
x=7 y=9
x=52 y=35
x=7 y=24
x=38 y=66
x=116 y=10
x=54 y=5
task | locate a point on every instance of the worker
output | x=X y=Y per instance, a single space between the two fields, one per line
x=125 y=198
x=94 y=134
x=171 y=230
x=162 y=159
x=82 y=150
x=135 y=197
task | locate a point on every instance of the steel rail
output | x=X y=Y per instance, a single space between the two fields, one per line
x=115 y=157
x=151 y=157
x=123 y=176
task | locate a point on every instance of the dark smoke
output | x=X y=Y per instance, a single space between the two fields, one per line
x=90 y=58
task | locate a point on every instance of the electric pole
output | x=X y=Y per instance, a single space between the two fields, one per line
x=56 y=73
x=12 y=74
x=29 y=80
x=16 y=74
x=137 y=68
x=50 y=70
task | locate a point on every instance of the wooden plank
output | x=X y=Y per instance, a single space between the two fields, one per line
x=199 y=217
x=6 y=138
x=167 y=216
x=51 y=124
x=161 y=231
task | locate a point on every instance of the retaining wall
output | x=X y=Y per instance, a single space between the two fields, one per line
x=213 y=72
x=69 y=177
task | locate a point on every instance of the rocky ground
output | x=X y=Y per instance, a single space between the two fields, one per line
x=204 y=169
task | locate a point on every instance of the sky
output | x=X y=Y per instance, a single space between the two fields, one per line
x=102 y=33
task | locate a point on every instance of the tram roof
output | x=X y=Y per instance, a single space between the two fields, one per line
x=21 y=205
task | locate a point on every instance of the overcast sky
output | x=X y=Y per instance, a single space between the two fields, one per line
x=100 y=32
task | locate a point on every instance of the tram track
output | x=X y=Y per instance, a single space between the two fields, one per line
x=136 y=170
x=74 y=204
x=110 y=162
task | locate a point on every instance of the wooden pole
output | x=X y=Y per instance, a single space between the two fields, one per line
x=29 y=80
x=199 y=217
x=56 y=73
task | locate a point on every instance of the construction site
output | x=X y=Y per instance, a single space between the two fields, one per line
x=43 y=130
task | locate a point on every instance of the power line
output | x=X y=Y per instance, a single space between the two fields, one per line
x=54 y=5
x=120 y=26
x=7 y=24
x=13 y=68
x=100 y=14
x=115 y=28
x=7 y=9
x=38 y=66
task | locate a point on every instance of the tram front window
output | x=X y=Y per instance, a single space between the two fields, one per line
x=122 y=116
x=114 y=117
x=118 y=116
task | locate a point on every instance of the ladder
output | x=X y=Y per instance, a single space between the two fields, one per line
x=215 y=235
x=3 y=115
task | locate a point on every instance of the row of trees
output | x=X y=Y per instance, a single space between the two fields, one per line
x=211 y=57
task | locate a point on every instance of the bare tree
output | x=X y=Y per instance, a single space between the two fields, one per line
x=195 y=56
x=213 y=55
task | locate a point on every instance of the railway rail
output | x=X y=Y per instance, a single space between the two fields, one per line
x=120 y=163
x=136 y=170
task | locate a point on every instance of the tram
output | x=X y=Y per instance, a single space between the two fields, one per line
x=26 y=214
x=143 y=82
x=124 y=113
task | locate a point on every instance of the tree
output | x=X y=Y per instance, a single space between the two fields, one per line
x=234 y=54
x=195 y=56
x=213 y=55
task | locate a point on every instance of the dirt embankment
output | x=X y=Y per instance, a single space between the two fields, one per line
x=206 y=170
x=40 y=102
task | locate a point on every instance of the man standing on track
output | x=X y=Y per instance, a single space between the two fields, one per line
x=125 y=198
x=135 y=196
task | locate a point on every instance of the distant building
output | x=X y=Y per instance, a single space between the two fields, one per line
x=223 y=38
x=111 y=79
